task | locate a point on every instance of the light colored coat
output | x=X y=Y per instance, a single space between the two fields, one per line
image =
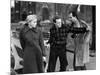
x=82 y=48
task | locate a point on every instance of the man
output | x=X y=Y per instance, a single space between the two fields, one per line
x=58 y=37
x=81 y=41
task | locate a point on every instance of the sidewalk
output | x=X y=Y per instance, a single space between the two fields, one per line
x=90 y=66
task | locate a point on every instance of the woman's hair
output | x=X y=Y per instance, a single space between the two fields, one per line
x=30 y=18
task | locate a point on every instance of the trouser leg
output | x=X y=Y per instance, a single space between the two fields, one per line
x=63 y=60
x=74 y=62
x=52 y=61
x=76 y=68
x=83 y=67
x=19 y=71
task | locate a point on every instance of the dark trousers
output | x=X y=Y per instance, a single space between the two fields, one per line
x=19 y=71
x=56 y=52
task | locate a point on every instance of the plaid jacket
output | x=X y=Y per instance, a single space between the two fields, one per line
x=58 y=37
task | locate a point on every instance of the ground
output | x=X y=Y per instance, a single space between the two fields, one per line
x=90 y=66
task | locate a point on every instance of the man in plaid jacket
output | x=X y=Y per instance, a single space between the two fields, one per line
x=58 y=38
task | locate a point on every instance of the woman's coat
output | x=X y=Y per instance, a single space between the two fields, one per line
x=32 y=43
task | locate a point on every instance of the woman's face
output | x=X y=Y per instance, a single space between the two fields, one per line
x=33 y=23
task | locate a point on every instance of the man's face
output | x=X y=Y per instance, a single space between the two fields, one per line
x=70 y=16
x=58 y=22
x=33 y=23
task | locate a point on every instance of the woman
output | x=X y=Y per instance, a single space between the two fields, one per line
x=31 y=40
x=81 y=41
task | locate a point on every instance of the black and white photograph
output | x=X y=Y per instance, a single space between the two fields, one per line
x=48 y=37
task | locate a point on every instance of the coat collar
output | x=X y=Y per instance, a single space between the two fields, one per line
x=26 y=29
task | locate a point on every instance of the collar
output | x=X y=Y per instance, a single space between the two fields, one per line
x=26 y=29
x=34 y=30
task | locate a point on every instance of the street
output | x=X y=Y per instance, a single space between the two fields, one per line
x=90 y=66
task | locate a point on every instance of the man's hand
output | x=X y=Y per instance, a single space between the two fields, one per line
x=44 y=58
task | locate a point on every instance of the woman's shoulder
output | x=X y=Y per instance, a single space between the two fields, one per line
x=25 y=28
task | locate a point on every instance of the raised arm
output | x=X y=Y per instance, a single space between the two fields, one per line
x=77 y=30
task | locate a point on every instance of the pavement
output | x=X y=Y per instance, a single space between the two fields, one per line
x=89 y=66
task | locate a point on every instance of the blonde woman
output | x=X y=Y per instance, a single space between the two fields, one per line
x=32 y=43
